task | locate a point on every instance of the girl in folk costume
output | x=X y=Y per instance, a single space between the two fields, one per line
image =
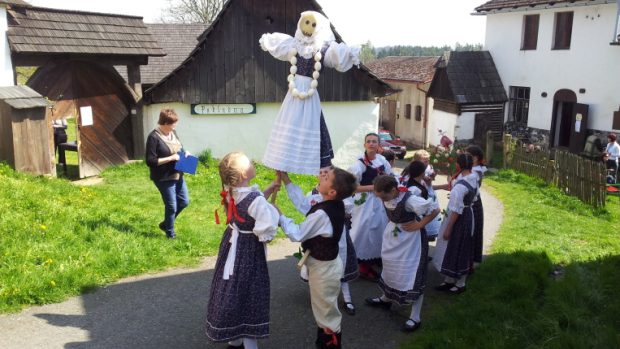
x=368 y=219
x=405 y=246
x=346 y=250
x=238 y=310
x=300 y=141
x=319 y=234
x=478 y=169
x=458 y=229
x=432 y=228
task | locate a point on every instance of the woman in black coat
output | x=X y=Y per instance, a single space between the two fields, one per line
x=162 y=153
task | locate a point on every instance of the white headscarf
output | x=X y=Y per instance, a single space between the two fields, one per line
x=308 y=46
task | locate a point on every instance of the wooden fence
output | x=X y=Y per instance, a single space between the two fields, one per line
x=573 y=174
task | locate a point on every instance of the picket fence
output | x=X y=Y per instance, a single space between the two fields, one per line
x=573 y=174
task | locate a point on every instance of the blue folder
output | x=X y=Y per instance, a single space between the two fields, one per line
x=186 y=164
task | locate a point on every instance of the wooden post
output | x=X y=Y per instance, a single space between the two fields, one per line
x=507 y=145
x=489 y=146
x=135 y=111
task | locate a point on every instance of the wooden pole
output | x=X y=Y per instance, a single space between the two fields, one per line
x=489 y=146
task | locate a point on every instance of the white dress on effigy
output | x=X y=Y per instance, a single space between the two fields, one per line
x=295 y=141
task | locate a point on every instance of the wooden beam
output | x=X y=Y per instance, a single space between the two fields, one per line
x=136 y=115
x=37 y=60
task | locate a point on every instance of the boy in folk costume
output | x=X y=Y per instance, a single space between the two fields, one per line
x=299 y=141
x=346 y=249
x=319 y=235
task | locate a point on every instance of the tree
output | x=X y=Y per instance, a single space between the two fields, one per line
x=191 y=11
x=367 y=52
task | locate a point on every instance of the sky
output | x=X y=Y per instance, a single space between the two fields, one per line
x=395 y=22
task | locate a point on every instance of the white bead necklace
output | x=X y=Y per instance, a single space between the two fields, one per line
x=315 y=75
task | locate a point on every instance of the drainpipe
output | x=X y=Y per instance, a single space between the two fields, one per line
x=617 y=30
x=425 y=118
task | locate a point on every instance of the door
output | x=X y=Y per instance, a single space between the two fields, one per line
x=579 y=128
x=74 y=84
x=388 y=115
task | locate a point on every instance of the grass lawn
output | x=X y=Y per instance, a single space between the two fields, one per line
x=58 y=240
x=551 y=282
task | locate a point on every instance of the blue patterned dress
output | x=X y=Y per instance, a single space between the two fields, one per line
x=239 y=307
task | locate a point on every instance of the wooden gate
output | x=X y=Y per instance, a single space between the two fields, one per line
x=488 y=122
x=73 y=85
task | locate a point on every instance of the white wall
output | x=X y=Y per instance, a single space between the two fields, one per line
x=348 y=122
x=590 y=63
x=443 y=121
x=6 y=67
x=465 y=126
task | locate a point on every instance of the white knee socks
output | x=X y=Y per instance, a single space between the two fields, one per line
x=346 y=292
x=416 y=308
x=248 y=343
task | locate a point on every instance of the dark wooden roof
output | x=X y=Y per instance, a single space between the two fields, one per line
x=515 y=4
x=177 y=40
x=228 y=65
x=37 y=30
x=467 y=77
x=404 y=68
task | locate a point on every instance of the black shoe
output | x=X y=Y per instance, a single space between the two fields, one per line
x=410 y=326
x=349 y=308
x=162 y=226
x=377 y=302
x=445 y=286
x=171 y=235
x=235 y=346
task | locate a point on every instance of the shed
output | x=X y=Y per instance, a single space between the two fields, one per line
x=75 y=52
x=228 y=67
x=406 y=113
x=468 y=96
x=25 y=136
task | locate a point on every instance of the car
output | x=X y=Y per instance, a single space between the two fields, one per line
x=389 y=141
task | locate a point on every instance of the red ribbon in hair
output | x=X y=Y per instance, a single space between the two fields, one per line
x=231 y=209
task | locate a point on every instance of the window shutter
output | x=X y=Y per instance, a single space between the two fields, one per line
x=530 y=32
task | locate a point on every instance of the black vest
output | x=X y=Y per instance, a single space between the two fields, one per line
x=400 y=214
x=322 y=248
x=370 y=173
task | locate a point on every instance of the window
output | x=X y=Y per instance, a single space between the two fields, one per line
x=408 y=111
x=519 y=104
x=530 y=32
x=418 y=113
x=563 y=30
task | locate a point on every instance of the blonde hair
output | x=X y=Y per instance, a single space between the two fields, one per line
x=420 y=154
x=232 y=167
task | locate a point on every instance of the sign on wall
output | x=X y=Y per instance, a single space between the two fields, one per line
x=224 y=109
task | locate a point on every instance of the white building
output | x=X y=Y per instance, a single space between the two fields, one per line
x=558 y=61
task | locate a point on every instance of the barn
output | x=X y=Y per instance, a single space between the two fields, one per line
x=227 y=93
